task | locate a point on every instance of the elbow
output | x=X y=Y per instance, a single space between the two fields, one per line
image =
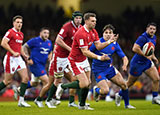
x=3 y=44
x=134 y=49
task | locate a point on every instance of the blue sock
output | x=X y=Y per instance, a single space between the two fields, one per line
x=120 y=93
x=91 y=90
x=154 y=94
x=29 y=85
x=125 y=95
x=109 y=92
x=97 y=90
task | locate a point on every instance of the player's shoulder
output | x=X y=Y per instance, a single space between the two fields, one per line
x=67 y=24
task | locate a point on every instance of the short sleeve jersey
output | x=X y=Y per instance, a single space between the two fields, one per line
x=83 y=38
x=40 y=49
x=66 y=34
x=112 y=48
x=15 y=40
x=144 y=38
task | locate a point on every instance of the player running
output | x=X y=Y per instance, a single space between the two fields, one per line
x=78 y=60
x=104 y=70
x=141 y=63
x=59 y=64
x=13 y=62
x=40 y=51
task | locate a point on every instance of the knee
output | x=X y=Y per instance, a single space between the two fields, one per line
x=7 y=82
x=104 y=91
x=156 y=80
x=34 y=84
x=84 y=84
x=124 y=86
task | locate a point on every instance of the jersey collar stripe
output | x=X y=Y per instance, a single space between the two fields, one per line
x=14 y=29
x=86 y=28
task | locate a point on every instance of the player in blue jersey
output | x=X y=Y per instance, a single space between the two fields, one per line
x=141 y=63
x=40 y=51
x=104 y=70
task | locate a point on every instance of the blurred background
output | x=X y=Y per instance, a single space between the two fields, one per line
x=129 y=17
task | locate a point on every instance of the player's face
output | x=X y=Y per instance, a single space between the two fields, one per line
x=107 y=34
x=151 y=30
x=91 y=22
x=18 y=24
x=78 y=20
x=44 y=34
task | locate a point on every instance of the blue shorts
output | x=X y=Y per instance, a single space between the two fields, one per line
x=136 y=69
x=38 y=70
x=104 y=75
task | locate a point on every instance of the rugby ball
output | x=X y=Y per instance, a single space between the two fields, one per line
x=148 y=48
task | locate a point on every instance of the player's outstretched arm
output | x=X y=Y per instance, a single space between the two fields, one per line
x=100 y=45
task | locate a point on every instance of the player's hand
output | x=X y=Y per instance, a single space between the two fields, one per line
x=124 y=68
x=149 y=57
x=16 y=54
x=105 y=57
x=30 y=62
x=113 y=38
x=25 y=57
x=156 y=60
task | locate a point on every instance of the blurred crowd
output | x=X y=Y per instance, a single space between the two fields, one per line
x=129 y=25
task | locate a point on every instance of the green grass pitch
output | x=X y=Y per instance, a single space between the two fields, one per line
x=101 y=108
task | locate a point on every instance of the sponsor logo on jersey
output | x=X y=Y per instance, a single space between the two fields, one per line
x=19 y=41
x=45 y=51
x=81 y=42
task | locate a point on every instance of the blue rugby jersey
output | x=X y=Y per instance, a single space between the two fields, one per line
x=40 y=49
x=98 y=65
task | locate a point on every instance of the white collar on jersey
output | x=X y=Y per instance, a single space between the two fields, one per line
x=74 y=25
x=14 y=29
x=86 y=28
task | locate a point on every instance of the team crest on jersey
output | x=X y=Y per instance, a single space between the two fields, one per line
x=13 y=69
x=49 y=44
x=42 y=71
x=60 y=68
x=113 y=48
x=16 y=34
x=99 y=77
x=73 y=31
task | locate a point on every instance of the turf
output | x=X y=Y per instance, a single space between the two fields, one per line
x=101 y=108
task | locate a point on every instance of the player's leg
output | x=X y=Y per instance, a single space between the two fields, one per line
x=7 y=80
x=118 y=80
x=108 y=97
x=101 y=88
x=23 y=86
x=72 y=92
x=39 y=99
x=153 y=74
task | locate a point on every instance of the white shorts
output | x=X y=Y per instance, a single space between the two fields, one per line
x=79 y=67
x=12 y=64
x=58 y=65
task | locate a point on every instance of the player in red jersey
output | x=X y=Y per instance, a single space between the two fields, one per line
x=78 y=61
x=13 y=62
x=59 y=64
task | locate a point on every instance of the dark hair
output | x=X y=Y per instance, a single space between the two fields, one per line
x=88 y=15
x=44 y=28
x=76 y=13
x=108 y=26
x=152 y=24
x=17 y=17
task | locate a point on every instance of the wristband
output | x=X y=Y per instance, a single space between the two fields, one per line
x=108 y=42
x=99 y=57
